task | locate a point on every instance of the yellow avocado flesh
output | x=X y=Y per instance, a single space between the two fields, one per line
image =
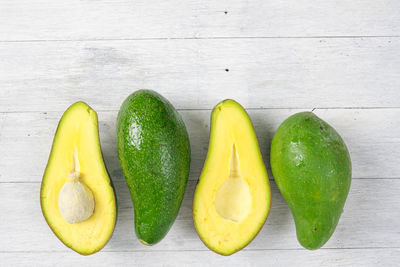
x=78 y=128
x=232 y=198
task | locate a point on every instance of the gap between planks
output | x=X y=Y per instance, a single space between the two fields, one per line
x=198 y=250
x=312 y=109
x=202 y=38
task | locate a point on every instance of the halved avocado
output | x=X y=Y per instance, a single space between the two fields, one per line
x=233 y=197
x=78 y=131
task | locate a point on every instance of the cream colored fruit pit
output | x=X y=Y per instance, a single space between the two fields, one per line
x=233 y=199
x=75 y=200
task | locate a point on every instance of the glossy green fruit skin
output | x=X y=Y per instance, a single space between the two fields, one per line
x=154 y=153
x=312 y=169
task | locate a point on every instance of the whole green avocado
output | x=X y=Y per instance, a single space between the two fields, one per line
x=154 y=153
x=312 y=169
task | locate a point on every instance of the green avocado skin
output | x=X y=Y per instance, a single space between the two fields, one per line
x=154 y=153
x=312 y=169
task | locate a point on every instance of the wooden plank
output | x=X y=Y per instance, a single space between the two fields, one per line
x=370 y=219
x=27 y=138
x=197 y=74
x=46 y=19
x=337 y=257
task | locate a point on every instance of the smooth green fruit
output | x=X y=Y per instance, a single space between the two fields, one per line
x=77 y=196
x=154 y=152
x=233 y=196
x=312 y=168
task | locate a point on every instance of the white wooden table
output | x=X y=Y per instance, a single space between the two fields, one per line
x=277 y=57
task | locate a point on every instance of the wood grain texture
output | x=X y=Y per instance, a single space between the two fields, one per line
x=196 y=74
x=49 y=20
x=24 y=228
x=274 y=57
x=370 y=134
x=324 y=257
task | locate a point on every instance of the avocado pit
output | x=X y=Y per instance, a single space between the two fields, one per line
x=233 y=199
x=75 y=200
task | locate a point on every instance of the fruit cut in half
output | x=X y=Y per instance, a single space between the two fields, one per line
x=76 y=196
x=233 y=197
